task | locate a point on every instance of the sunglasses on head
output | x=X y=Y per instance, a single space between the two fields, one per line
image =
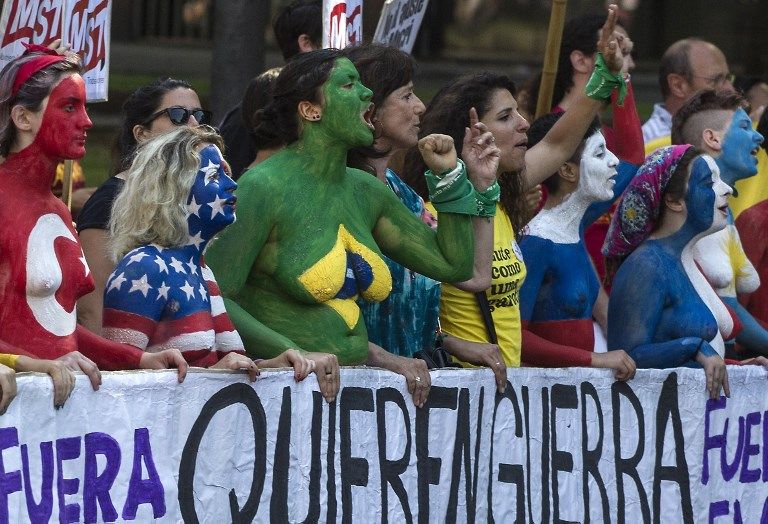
x=179 y=116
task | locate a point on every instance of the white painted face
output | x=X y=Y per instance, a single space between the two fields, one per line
x=597 y=169
x=721 y=190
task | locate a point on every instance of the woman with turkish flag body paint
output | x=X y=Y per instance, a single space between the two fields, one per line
x=42 y=268
x=178 y=195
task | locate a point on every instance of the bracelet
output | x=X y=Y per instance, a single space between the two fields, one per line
x=603 y=82
x=487 y=200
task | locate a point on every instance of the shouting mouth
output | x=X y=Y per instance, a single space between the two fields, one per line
x=367 y=117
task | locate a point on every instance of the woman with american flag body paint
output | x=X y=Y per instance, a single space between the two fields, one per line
x=178 y=195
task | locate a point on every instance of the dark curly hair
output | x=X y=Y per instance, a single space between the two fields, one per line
x=301 y=79
x=448 y=113
x=579 y=34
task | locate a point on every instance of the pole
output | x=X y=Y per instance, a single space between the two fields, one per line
x=551 y=55
x=66 y=184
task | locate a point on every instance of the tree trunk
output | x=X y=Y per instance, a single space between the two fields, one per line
x=238 y=50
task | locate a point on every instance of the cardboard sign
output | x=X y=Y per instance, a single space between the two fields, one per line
x=559 y=445
x=342 y=23
x=400 y=22
x=83 y=23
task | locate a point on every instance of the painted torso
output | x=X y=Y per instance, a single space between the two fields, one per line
x=569 y=286
x=42 y=266
x=724 y=263
x=317 y=281
x=159 y=298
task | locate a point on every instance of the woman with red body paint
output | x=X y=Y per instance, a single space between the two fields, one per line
x=42 y=268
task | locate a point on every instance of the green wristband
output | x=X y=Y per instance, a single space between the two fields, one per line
x=602 y=82
x=486 y=201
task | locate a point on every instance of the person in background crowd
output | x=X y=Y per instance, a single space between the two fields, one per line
x=311 y=232
x=558 y=296
x=43 y=121
x=520 y=168
x=298 y=28
x=259 y=94
x=718 y=124
x=178 y=195
x=578 y=53
x=687 y=66
x=406 y=321
x=151 y=110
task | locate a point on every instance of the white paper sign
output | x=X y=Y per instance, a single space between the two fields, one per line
x=559 y=445
x=85 y=24
x=342 y=23
x=400 y=22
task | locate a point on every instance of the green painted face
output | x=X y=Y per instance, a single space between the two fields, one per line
x=347 y=108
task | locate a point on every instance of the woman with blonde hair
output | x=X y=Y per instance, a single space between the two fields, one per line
x=178 y=195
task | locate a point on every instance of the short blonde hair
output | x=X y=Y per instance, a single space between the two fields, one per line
x=152 y=206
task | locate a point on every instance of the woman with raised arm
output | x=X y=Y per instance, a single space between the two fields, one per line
x=311 y=231
x=520 y=168
x=42 y=267
x=558 y=297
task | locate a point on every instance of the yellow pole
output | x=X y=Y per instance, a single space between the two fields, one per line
x=66 y=184
x=551 y=54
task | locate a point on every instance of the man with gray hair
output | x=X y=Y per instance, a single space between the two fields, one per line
x=687 y=66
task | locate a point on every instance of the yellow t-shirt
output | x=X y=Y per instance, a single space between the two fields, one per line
x=653 y=145
x=8 y=360
x=460 y=313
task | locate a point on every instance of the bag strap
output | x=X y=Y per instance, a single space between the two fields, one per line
x=485 y=312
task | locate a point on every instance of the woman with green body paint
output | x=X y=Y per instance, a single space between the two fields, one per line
x=310 y=231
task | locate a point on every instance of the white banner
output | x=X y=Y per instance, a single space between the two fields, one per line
x=342 y=23
x=400 y=22
x=83 y=23
x=560 y=445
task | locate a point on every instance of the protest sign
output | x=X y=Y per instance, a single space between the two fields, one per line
x=559 y=445
x=400 y=22
x=342 y=23
x=85 y=24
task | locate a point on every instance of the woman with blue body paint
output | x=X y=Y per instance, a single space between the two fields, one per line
x=559 y=294
x=661 y=308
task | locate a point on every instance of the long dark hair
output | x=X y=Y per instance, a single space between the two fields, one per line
x=579 y=34
x=383 y=69
x=301 y=79
x=448 y=113
x=137 y=108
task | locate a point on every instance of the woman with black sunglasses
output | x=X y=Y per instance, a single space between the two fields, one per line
x=151 y=110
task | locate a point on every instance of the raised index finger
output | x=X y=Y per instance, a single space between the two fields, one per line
x=608 y=28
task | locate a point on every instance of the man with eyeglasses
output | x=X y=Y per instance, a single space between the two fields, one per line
x=687 y=66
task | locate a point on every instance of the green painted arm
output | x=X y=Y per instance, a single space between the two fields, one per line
x=231 y=257
x=446 y=255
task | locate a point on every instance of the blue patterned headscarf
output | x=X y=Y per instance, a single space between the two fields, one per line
x=640 y=206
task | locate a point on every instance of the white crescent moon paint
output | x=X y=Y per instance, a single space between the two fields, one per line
x=44 y=276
